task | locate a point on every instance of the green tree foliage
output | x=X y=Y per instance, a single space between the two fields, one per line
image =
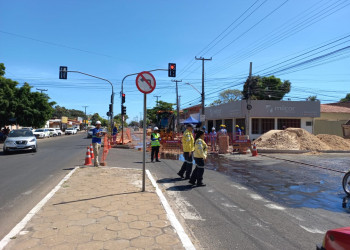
x=161 y=106
x=96 y=117
x=312 y=98
x=266 y=88
x=118 y=120
x=29 y=108
x=134 y=123
x=70 y=113
x=228 y=95
x=346 y=99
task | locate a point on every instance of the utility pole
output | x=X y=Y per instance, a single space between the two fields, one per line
x=203 y=59
x=157 y=96
x=41 y=90
x=249 y=106
x=85 y=117
x=177 y=106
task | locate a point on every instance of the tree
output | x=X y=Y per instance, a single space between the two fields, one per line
x=346 y=99
x=162 y=106
x=134 y=123
x=31 y=109
x=312 y=98
x=266 y=88
x=70 y=113
x=118 y=120
x=228 y=95
x=96 y=117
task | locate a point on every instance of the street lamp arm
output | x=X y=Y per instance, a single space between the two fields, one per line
x=194 y=87
x=94 y=77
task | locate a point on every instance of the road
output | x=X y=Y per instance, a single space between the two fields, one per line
x=259 y=202
x=27 y=177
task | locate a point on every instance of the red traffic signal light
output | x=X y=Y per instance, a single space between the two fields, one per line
x=172 y=70
x=123 y=98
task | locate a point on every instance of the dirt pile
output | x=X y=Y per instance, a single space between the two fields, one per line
x=335 y=142
x=291 y=139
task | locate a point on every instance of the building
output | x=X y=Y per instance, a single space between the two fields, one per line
x=263 y=116
x=193 y=111
x=332 y=117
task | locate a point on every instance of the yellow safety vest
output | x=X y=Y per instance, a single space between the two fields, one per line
x=156 y=142
x=200 y=149
x=187 y=141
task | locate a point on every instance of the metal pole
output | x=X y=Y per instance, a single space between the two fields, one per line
x=202 y=87
x=248 y=100
x=144 y=143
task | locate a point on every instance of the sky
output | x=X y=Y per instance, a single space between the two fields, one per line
x=305 y=42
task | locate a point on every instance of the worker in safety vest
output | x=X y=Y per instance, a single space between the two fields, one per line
x=155 y=144
x=238 y=132
x=188 y=148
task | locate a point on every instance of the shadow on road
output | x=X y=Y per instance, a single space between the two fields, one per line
x=180 y=188
x=169 y=180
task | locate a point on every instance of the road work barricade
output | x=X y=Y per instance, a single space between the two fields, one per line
x=106 y=140
x=173 y=146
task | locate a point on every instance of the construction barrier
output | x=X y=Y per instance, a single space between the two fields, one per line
x=173 y=146
x=105 y=150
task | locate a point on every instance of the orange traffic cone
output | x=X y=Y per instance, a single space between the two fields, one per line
x=92 y=152
x=254 y=151
x=88 y=158
x=109 y=144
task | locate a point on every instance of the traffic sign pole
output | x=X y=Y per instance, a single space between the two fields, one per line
x=144 y=143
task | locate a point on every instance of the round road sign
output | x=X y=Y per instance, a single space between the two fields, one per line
x=145 y=82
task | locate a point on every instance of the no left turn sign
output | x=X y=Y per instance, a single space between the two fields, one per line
x=145 y=82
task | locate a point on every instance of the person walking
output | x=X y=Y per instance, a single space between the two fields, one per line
x=97 y=134
x=114 y=134
x=188 y=148
x=155 y=144
x=200 y=155
x=213 y=136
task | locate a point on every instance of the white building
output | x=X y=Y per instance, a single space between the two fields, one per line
x=263 y=116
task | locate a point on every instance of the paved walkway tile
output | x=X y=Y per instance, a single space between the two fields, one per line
x=100 y=208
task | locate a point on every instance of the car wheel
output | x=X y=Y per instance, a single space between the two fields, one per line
x=6 y=152
x=35 y=149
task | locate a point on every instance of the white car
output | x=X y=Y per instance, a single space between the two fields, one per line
x=53 y=132
x=42 y=133
x=70 y=131
x=20 y=140
x=59 y=131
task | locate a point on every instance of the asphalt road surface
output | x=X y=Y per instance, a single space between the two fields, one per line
x=256 y=202
x=25 y=178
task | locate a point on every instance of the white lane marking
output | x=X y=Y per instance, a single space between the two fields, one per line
x=184 y=207
x=239 y=187
x=313 y=230
x=186 y=241
x=32 y=212
x=227 y=205
x=257 y=197
x=274 y=206
x=210 y=191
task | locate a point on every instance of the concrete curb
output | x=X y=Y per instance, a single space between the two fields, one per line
x=279 y=151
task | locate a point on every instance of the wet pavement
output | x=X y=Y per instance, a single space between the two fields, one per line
x=289 y=184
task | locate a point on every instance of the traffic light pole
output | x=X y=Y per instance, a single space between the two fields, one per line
x=112 y=96
x=122 y=92
x=177 y=107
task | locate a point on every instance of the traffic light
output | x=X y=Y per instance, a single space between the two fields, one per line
x=123 y=98
x=123 y=110
x=63 y=72
x=108 y=114
x=172 y=70
x=110 y=108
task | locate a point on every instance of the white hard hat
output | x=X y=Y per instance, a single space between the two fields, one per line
x=98 y=122
x=212 y=128
x=155 y=128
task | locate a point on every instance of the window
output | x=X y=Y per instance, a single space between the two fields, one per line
x=255 y=126
x=288 y=123
x=261 y=126
x=308 y=124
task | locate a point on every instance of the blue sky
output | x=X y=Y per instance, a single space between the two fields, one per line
x=111 y=39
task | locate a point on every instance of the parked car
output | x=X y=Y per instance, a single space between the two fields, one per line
x=30 y=128
x=20 y=139
x=70 y=131
x=77 y=128
x=42 y=133
x=59 y=131
x=336 y=239
x=53 y=132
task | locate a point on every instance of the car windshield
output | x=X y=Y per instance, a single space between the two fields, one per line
x=69 y=129
x=21 y=133
x=39 y=130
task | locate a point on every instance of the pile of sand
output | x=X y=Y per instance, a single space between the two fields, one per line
x=291 y=139
x=335 y=142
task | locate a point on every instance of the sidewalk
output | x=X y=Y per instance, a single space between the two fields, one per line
x=100 y=208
